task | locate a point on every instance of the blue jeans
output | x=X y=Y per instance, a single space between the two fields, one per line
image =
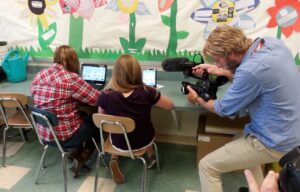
x=83 y=135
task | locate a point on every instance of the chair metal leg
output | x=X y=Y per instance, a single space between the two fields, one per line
x=98 y=161
x=97 y=172
x=157 y=158
x=99 y=152
x=104 y=161
x=22 y=134
x=4 y=146
x=144 y=177
x=42 y=161
x=64 y=162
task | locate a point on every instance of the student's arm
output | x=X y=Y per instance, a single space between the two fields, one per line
x=84 y=92
x=165 y=103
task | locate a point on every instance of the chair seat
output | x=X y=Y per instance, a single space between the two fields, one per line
x=110 y=149
x=19 y=120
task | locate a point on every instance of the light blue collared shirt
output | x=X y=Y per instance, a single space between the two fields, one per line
x=267 y=86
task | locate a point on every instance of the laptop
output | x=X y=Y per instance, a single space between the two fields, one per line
x=150 y=77
x=94 y=74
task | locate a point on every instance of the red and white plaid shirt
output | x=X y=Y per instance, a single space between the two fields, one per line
x=60 y=91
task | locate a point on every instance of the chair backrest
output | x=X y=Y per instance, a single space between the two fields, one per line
x=48 y=120
x=114 y=124
x=15 y=101
x=51 y=117
x=12 y=100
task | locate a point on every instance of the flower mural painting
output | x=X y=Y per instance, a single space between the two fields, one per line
x=170 y=21
x=83 y=8
x=38 y=10
x=286 y=16
x=46 y=36
x=131 y=7
x=230 y=12
x=128 y=6
x=79 y=10
x=164 y=5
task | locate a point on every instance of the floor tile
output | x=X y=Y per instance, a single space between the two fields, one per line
x=10 y=175
x=179 y=172
x=104 y=185
x=11 y=148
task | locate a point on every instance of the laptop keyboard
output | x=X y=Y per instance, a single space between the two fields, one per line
x=97 y=86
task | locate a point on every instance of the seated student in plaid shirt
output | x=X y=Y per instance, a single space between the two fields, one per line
x=60 y=89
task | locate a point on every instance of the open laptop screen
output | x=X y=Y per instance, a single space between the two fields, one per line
x=149 y=77
x=93 y=73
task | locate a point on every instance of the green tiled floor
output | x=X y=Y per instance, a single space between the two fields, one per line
x=178 y=171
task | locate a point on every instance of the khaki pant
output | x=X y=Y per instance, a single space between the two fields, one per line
x=242 y=153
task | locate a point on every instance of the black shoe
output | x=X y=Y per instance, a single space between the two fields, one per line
x=243 y=189
x=77 y=167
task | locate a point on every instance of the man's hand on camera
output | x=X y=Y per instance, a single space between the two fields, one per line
x=212 y=70
x=192 y=96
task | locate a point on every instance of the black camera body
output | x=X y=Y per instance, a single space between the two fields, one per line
x=201 y=91
x=206 y=88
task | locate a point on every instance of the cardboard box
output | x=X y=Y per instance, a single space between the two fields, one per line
x=209 y=142
x=213 y=132
x=224 y=125
x=201 y=124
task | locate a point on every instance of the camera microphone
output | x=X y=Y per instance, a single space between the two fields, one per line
x=177 y=64
x=206 y=87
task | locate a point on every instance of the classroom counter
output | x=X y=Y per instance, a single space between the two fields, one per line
x=168 y=88
x=20 y=87
x=176 y=126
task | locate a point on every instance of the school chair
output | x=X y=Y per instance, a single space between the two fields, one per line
x=49 y=120
x=119 y=125
x=15 y=114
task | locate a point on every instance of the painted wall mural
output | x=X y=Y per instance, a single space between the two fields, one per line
x=151 y=30
x=130 y=45
x=228 y=12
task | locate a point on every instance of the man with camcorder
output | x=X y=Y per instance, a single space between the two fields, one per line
x=265 y=86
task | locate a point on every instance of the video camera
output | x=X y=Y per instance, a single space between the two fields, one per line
x=207 y=86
